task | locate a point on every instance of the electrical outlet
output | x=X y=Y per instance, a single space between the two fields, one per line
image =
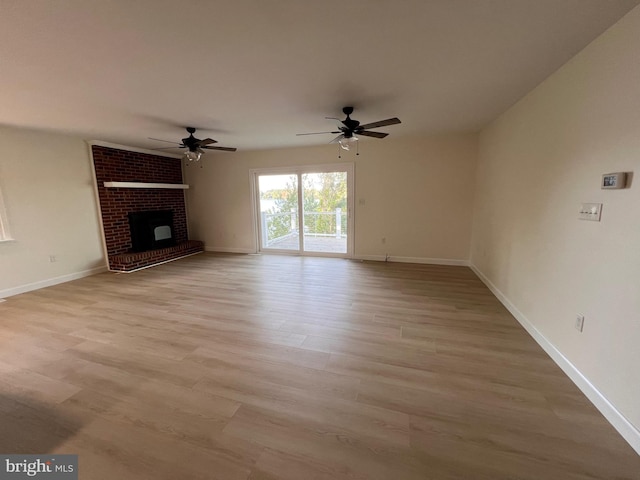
x=52 y=258
x=579 y=322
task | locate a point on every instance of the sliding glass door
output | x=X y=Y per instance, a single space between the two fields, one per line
x=305 y=210
x=279 y=220
x=325 y=219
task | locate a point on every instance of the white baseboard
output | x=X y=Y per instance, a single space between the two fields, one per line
x=625 y=428
x=428 y=261
x=229 y=250
x=29 y=287
x=373 y=258
x=370 y=258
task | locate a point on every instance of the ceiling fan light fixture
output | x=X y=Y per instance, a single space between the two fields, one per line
x=345 y=142
x=192 y=156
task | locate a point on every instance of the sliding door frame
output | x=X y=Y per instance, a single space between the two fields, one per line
x=300 y=170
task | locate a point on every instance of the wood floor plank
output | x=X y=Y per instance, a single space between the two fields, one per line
x=30 y=425
x=321 y=443
x=332 y=328
x=136 y=362
x=221 y=364
x=274 y=464
x=432 y=380
x=392 y=353
x=266 y=351
x=256 y=367
x=368 y=421
x=24 y=383
x=145 y=453
x=200 y=428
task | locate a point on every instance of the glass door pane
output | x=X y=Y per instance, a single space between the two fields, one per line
x=324 y=204
x=279 y=221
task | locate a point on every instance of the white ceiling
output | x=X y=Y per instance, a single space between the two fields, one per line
x=253 y=73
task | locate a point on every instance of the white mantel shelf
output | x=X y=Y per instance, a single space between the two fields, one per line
x=175 y=186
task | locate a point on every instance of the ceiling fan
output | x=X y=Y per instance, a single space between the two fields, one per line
x=350 y=128
x=194 y=145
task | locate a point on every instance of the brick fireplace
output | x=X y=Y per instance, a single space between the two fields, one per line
x=116 y=203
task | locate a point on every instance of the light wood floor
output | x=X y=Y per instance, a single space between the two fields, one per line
x=275 y=367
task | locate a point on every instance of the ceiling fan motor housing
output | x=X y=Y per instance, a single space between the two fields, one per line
x=191 y=142
x=350 y=125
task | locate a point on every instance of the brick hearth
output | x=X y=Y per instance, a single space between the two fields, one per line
x=127 y=262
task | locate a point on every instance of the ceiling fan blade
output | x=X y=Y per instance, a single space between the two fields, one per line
x=381 y=123
x=199 y=150
x=166 y=141
x=366 y=133
x=207 y=141
x=335 y=140
x=224 y=149
x=315 y=133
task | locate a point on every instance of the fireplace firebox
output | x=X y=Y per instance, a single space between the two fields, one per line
x=151 y=230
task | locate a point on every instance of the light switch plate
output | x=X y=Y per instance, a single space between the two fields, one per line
x=590 y=211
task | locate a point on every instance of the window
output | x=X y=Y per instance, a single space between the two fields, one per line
x=4 y=224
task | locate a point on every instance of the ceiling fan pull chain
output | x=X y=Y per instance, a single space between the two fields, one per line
x=339 y=156
x=357 y=148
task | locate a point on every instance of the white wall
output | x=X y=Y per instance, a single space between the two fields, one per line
x=47 y=184
x=417 y=194
x=537 y=163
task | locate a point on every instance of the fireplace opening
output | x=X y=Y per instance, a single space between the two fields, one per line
x=151 y=230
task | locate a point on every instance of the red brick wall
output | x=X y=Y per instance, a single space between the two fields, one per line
x=112 y=165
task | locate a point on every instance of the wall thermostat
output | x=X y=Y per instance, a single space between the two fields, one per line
x=614 y=180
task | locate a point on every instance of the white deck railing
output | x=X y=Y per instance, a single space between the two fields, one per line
x=279 y=226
